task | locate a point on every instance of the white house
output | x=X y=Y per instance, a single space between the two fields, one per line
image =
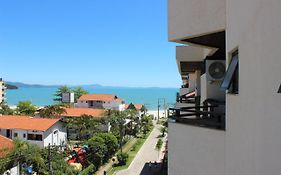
x=39 y=131
x=227 y=118
x=101 y=101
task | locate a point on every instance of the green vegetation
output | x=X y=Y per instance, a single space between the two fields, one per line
x=5 y=109
x=85 y=126
x=25 y=108
x=122 y=158
x=52 y=111
x=59 y=92
x=89 y=170
x=32 y=155
x=132 y=150
x=78 y=92
x=159 y=144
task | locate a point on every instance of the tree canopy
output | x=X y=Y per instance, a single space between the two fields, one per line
x=25 y=108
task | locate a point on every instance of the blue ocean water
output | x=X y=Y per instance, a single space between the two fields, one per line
x=42 y=96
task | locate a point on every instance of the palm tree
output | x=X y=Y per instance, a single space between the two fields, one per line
x=60 y=91
x=78 y=92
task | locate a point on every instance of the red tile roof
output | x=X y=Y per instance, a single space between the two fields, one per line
x=137 y=106
x=98 y=97
x=77 y=112
x=26 y=123
x=5 y=145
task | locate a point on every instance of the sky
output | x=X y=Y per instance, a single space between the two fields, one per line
x=78 y=42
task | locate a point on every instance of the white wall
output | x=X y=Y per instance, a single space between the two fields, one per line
x=188 y=18
x=211 y=90
x=253 y=116
x=81 y=104
x=50 y=137
x=195 y=150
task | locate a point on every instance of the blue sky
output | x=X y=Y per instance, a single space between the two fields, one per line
x=74 y=42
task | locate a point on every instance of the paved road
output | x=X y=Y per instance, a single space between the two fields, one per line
x=147 y=153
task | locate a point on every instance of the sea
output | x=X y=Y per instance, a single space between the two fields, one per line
x=42 y=96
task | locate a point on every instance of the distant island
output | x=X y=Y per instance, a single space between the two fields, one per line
x=11 y=87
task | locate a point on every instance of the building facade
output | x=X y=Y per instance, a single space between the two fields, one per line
x=101 y=101
x=39 y=131
x=227 y=117
x=2 y=90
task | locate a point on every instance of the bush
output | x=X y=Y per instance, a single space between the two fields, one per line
x=89 y=170
x=122 y=158
x=159 y=144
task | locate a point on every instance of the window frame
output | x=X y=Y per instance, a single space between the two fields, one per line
x=231 y=79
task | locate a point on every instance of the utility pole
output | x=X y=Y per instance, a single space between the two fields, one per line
x=49 y=160
x=158 y=109
x=165 y=108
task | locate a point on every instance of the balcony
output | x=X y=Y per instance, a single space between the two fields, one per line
x=195 y=150
x=192 y=18
x=208 y=115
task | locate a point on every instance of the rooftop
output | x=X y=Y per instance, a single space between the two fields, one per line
x=137 y=106
x=26 y=122
x=76 y=112
x=98 y=97
x=5 y=144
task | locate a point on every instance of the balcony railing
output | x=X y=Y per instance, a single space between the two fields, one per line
x=204 y=116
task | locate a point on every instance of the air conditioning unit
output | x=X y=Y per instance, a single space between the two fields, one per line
x=215 y=70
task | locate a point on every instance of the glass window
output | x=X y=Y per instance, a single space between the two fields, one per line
x=37 y=137
x=15 y=134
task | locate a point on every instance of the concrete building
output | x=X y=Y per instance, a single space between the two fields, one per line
x=227 y=119
x=2 y=90
x=39 y=131
x=101 y=101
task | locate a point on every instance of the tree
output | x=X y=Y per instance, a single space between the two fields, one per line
x=163 y=130
x=97 y=150
x=60 y=91
x=78 y=92
x=52 y=111
x=26 y=108
x=111 y=143
x=5 y=109
x=85 y=125
x=146 y=123
x=117 y=120
x=122 y=158
x=134 y=125
x=143 y=109
x=31 y=155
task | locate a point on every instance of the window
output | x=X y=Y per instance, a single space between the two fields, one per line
x=37 y=137
x=24 y=135
x=279 y=91
x=15 y=135
x=231 y=79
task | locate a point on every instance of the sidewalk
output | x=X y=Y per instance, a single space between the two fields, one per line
x=146 y=154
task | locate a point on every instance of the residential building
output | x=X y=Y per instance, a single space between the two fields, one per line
x=39 y=131
x=101 y=101
x=2 y=90
x=227 y=118
x=6 y=146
